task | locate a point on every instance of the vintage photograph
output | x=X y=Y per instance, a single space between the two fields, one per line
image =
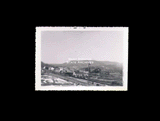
x=78 y=58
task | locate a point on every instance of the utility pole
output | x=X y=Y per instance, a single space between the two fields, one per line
x=89 y=72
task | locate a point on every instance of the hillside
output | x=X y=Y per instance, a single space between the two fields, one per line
x=44 y=64
x=83 y=64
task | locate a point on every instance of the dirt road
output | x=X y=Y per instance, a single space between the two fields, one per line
x=68 y=80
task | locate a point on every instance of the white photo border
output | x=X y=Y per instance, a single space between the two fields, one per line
x=93 y=88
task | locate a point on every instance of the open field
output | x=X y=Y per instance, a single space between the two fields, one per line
x=69 y=80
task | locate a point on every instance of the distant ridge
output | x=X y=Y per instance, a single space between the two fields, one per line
x=84 y=63
x=93 y=62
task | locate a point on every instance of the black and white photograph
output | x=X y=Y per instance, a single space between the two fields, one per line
x=81 y=58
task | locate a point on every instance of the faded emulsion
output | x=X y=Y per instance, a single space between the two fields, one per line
x=81 y=58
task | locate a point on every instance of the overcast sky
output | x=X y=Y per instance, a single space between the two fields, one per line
x=59 y=46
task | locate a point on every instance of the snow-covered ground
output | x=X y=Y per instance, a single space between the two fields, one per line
x=62 y=81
